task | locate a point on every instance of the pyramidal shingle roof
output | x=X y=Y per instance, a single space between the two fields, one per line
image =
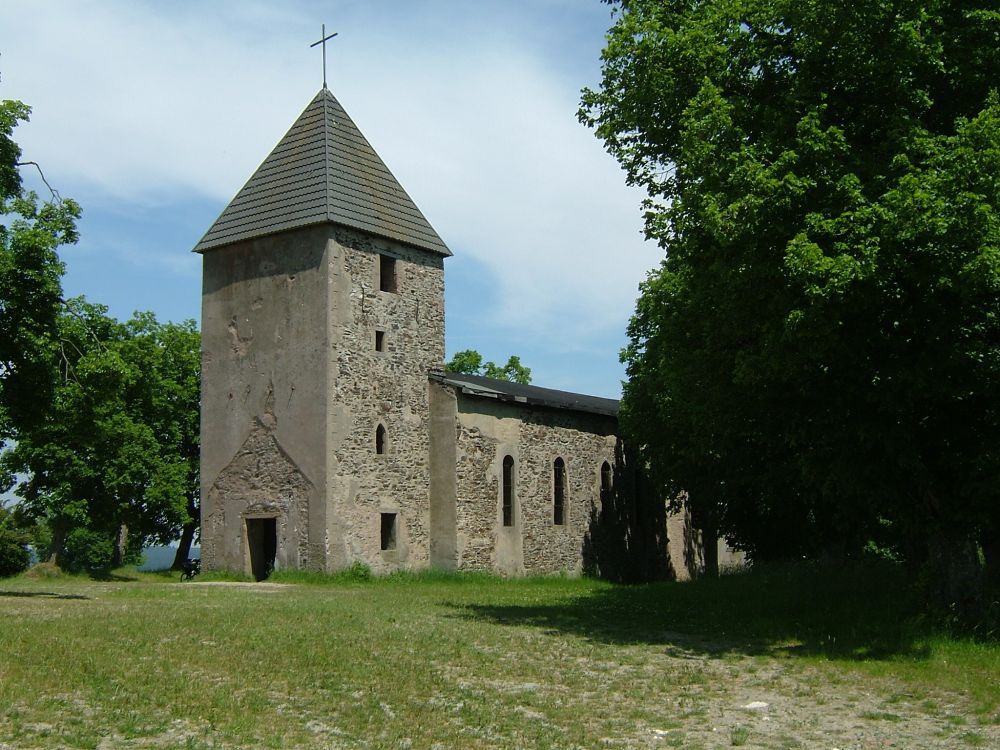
x=323 y=170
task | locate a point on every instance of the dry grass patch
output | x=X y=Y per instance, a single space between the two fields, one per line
x=463 y=662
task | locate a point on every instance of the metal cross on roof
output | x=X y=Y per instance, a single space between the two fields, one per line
x=323 y=42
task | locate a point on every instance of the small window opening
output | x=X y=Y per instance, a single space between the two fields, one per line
x=605 y=486
x=380 y=440
x=386 y=273
x=559 y=492
x=388 y=531
x=380 y=341
x=508 y=491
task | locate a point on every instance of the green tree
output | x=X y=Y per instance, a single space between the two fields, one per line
x=14 y=554
x=470 y=362
x=113 y=467
x=817 y=359
x=100 y=418
x=167 y=396
x=30 y=284
x=467 y=362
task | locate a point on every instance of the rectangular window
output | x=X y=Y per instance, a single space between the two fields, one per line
x=386 y=273
x=388 y=531
x=380 y=341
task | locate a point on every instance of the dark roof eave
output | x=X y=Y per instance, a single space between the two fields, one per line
x=204 y=247
x=527 y=395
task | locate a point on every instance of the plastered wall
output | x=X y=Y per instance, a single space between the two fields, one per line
x=264 y=353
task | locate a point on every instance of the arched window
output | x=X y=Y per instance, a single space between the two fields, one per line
x=508 y=491
x=605 y=487
x=559 y=492
x=380 y=440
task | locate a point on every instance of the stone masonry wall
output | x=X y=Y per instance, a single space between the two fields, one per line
x=264 y=318
x=489 y=430
x=261 y=480
x=367 y=388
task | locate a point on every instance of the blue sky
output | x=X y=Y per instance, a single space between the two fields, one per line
x=153 y=115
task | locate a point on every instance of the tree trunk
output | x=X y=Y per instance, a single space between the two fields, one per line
x=710 y=546
x=184 y=547
x=703 y=518
x=710 y=550
x=56 y=546
x=121 y=547
x=990 y=543
x=187 y=534
x=955 y=576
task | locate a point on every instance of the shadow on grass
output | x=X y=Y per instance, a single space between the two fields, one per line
x=165 y=573
x=43 y=594
x=130 y=574
x=107 y=575
x=855 y=612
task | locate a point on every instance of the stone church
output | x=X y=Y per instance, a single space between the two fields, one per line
x=331 y=433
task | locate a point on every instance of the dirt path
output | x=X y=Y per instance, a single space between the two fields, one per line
x=253 y=585
x=779 y=704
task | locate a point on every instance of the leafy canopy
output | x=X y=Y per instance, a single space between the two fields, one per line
x=817 y=359
x=100 y=418
x=119 y=443
x=30 y=284
x=470 y=362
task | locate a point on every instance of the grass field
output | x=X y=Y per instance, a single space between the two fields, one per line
x=431 y=661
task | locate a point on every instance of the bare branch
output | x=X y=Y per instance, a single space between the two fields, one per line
x=69 y=367
x=86 y=326
x=35 y=164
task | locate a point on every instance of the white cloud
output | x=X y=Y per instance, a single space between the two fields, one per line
x=471 y=105
x=139 y=103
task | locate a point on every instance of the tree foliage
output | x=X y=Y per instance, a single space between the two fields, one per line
x=30 y=284
x=817 y=359
x=117 y=451
x=100 y=417
x=470 y=362
x=14 y=541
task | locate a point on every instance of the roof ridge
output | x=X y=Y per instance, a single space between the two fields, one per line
x=326 y=149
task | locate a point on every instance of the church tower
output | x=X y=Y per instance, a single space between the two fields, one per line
x=322 y=313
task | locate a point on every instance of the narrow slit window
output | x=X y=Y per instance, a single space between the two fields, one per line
x=386 y=273
x=559 y=492
x=380 y=440
x=508 y=491
x=605 y=486
x=380 y=341
x=388 y=531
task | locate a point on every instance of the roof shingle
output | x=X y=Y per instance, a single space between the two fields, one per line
x=531 y=395
x=323 y=170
